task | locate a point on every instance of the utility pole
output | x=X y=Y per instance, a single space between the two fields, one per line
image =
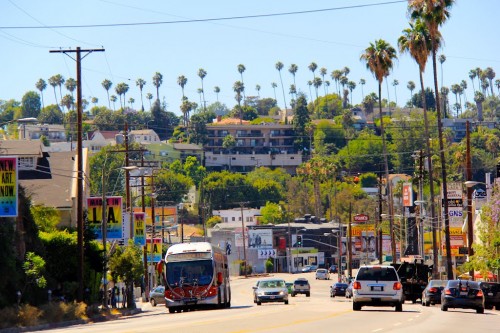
x=104 y=234
x=421 y=194
x=79 y=194
x=379 y=218
x=243 y=233
x=470 y=231
x=349 y=243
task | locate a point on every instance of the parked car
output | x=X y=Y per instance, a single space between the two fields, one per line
x=157 y=296
x=309 y=268
x=322 y=274
x=348 y=291
x=301 y=286
x=270 y=290
x=338 y=289
x=432 y=292
x=377 y=286
x=462 y=294
x=491 y=291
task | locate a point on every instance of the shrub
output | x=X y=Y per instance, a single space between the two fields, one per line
x=8 y=317
x=29 y=315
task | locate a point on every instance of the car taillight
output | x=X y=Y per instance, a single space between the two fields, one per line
x=479 y=293
x=433 y=290
x=356 y=285
x=397 y=286
x=447 y=292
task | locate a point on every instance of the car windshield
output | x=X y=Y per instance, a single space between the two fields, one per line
x=438 y=283
x=341 y=285
x=272 y=284
x=321 y=271
x=189 y=272
x=301 y=282
x=377 y=274
x=463 y=283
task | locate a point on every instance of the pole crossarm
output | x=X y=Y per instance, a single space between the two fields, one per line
x=315 y=241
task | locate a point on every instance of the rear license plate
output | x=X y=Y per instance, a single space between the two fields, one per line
x=463 y=293
x=377 y=288
x=490 y=294
x=272 y=297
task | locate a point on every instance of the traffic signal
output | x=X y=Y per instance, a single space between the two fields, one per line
x=299 y=240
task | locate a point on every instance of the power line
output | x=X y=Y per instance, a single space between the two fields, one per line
x=227 y=18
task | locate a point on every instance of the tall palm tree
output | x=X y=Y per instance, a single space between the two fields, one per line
x=53 y=82
x=202 y=73
x=379 y=57
x=346 y=71
x=455 y=89
x=463 y=84
x=41 y=85
x=200 y=92
x=279 y=66
x=60 y=82
x=141 y=83
x=217 y=91
x=293 y=70
x=312 y=67
x=238 y=88
x=489 y=73
x=395 y=83
x=149 y=97
x=310 y=83
x=131 y=101
x=113 y=99
x=472 y=76
x=442 y=59
x=94 y=101
x=241 y=69
x=70 y=84
x=479 y=99
x=445 y=91
x=336 y=75
x=322 y=72
x=479 y=76
x=362 y=82
x=157 y=81
x=106 y=84
x=411 y=86
x=351 y=85
x=257 y=88
x=67 y=101
x=274 y=86
x=497 y=84
x=182 y=81
x=434 y=13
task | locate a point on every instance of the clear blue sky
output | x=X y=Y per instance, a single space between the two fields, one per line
x=333 y=39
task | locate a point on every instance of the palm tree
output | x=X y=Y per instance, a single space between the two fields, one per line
x=149 y=96
x=279 y=66
x=463 y=85
x=293 y=90
x=442 y=59
x=257 y=88
x=131 y=101
x=497 y=84
x=322 y=72
x=106 y=84
x=484 y=86
x=60 y=82
x=113 y=99
x=455 y=89
x=472 y=76
x=312 y=67
x=241 y=69
x=434 y=13
x=351 y=85
x=53 y=83
x=293 y=70
x=336 y=75
x=122 y=89
x=362 y=82
x=310 y=83
x=67 y=101
x=346 y=71
x=411 y=86
x=70 y=84
x=94 y=101
x=182 y=81
x=317 y=83
x=141 y=83
x=217 y=91
x=445 y=91
x=200 y=92
x=479 y=75
x=479 y=99
x=395 y=83
x=379 y=58
x=489 y=73
x=238 y=88
x=41 y=85
x=157 y=81
x=274 y=85
x=202 y=73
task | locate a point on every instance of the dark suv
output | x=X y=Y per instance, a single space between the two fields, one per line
x=491 y=291
x=301 y=286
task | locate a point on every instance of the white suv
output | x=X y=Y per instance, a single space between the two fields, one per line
x=377 y=286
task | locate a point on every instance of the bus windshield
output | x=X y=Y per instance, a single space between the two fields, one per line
x=198 y=272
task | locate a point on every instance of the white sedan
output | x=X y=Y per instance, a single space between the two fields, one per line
x=322 y=274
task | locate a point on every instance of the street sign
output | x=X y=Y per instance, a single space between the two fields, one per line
x=361 y=218
x=266 y=253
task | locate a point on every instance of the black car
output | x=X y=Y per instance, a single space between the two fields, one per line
x=333 y=269
x=462 y=294
x=432 y=293
x=338 y=289
x=491 y=291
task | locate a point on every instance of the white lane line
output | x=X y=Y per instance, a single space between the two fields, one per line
x=397 y=324
x=377 y=330
x=410 y=319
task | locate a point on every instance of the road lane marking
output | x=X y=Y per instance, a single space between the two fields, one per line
x=397 y=324
x=377 y=330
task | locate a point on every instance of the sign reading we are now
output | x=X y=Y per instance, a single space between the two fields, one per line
x=8 y=186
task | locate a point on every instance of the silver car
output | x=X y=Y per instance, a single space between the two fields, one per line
x=157 y=296
x=270 y=290
x=377 y=286
x=322 y=274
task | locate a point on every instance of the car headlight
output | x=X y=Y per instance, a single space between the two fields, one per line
x=282 y=292
x=260 y=293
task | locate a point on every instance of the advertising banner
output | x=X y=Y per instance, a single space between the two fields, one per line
x=260 y=238
x=411 y=237
x=266 y=253
x=139 y=228
x=114 y=217
x=156 y=254
x=8 y=186
x=407 y=195
x=238 y=238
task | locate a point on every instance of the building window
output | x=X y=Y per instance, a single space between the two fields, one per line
x=233 y=219
x=26 y=163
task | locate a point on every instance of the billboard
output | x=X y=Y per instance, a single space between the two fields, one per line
x=260 y=238
x=114 y=218
x=8 y=186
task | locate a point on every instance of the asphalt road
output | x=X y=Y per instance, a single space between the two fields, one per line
x=318 y=313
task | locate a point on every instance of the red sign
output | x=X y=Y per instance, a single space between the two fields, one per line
x=361 y=218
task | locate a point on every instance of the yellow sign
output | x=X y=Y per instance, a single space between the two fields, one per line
x=113 y=216
x=156 y=252
x=139 y=229
x=358 y=229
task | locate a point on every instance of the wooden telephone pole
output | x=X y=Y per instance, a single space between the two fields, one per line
x=80 y=175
